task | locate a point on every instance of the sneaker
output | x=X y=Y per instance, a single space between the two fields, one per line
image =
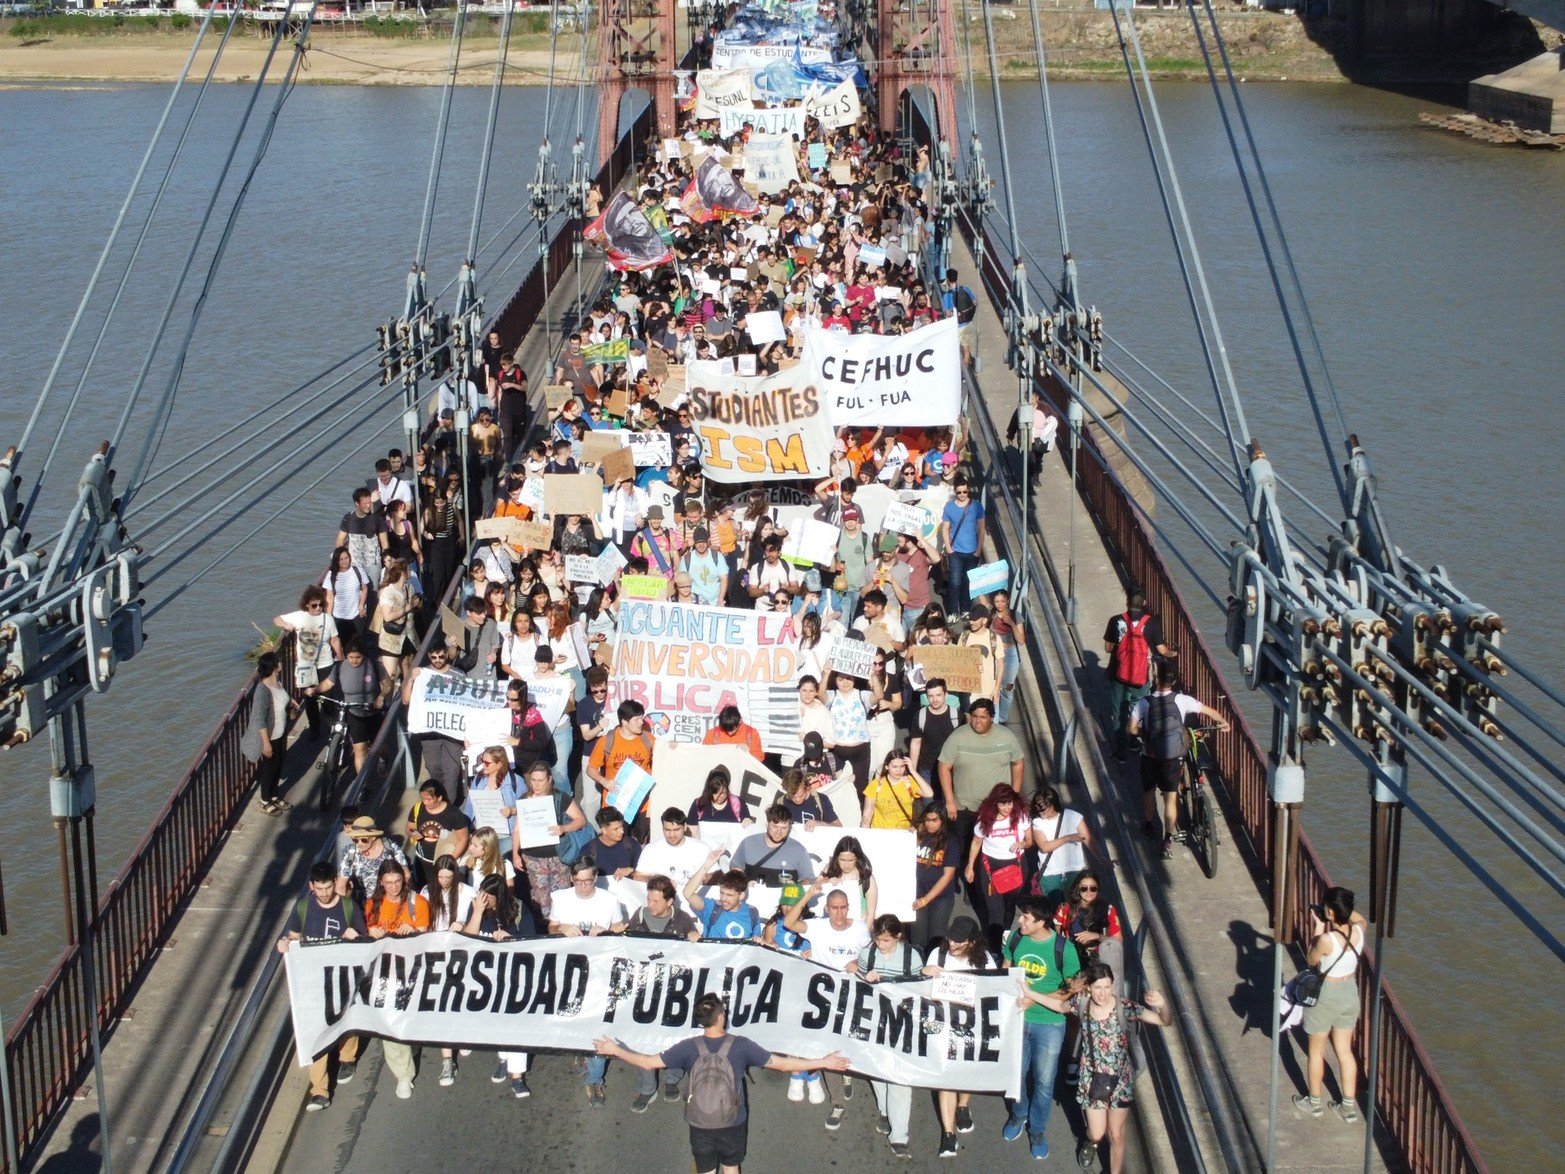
x=404 y=1089
x=883 y=1125
x=964 y=1120
x=499 y=1075
x=1086 y=1153
x=1168 y=847
x=316 y=1103
x=816 y=1087
x=346 y=1071
x=1347 y=1110
x=1039 y=1145
x=834 y=1118
x=519 y=1088
x=639 y=1105
x=671 y=1092
x=282 y=805
x=596 y=1096
x=1013 y=1130
x=796 y=1088
x=947 y=1146
x=267 y=807
x=447 y=1072
x=901 y=1149
x=1308 y=1104
x=847 y=1088
x=1179 y=836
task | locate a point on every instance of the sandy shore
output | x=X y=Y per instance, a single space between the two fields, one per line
x=334 y=60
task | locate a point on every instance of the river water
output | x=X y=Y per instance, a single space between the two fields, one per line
x=1433 y=265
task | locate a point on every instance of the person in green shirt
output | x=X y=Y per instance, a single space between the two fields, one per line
x=1048 y=961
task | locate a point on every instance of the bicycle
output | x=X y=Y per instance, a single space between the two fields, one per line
x=1198 y=807
x=339 y=754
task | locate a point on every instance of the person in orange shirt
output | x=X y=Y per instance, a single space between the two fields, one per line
x=393 y=910
x=628 y=741
x=731 y=730
x=863 y=450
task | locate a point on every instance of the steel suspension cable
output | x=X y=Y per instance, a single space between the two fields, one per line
x=195 y=245
x=489 y=130
x=160 y=418
x=1167 y=187
x=1054 y=155
x=108 y=245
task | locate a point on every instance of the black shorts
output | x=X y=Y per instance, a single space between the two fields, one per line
x=362 y=726
x=712 y=1148
x=1161 y=774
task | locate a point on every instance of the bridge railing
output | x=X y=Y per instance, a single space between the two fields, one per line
x=47 y=1047
x=1410 y=1098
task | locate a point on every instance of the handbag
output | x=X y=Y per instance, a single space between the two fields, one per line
x=1005 y=879
x=1304 y=990
x=1102 y=1086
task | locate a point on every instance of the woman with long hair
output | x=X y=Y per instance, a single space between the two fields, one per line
x=347 y=593
x=393 y=621
x=850 y=870
x=892 y=796
x=266 y=738
x=393 y=908
x=498 y=916
x=518 y=647
x=994 y=861
x=962 y=950
x=935 y=877
x=440 y=524
x=1336 y=946
x=717 y=803
x=497 y=603
x=1088 y=919
x=542 y=864
x=884 y=703
x=1059 y=840
x=484 y=857
x=1013 y=636
x=450 y=903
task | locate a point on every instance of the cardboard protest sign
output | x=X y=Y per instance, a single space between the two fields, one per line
x=617 y=404
x=685 y=662
x=572 y=493
x=534 y=535
x=657 y=362
x=841 y=173
x=600 y=443
x=619 y=465
x=555 y=395
x=451 y=625
x=902 y=380
x=764 y=428
x=509 y=530
x=960 y=666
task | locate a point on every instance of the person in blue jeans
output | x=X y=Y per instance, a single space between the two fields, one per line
x=962 y=536
x=1048 y=961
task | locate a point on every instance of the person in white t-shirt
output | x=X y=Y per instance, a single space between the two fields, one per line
x=962 y=950
x=835 y=940
x=678 y=855
x=1059 y=840
x=584 y=910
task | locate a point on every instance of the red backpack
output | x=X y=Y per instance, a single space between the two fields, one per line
x=1131 y=660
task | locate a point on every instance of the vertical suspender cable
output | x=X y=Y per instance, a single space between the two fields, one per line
x=489 y=128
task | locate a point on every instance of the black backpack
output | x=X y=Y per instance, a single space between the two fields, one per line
x=1166 y=739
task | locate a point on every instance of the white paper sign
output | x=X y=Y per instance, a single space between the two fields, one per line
x=811 y=541
x=765 y=326
x=902 y=518
x=582 y=568
x=718 y=89
x=486 y=810
x=957 y=988
x=534 y=817
x=770 y=163
x=854 y=657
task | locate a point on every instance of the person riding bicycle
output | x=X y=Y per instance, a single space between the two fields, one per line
x=358 y=682
x=1160 y=722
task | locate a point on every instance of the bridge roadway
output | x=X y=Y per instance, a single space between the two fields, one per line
x=155 y=1057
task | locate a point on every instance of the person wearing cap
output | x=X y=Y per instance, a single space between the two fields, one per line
x=704 y=569
x=991 y=652
x=855 y=553
x=359 y=868
x=732 y=730
x=657 y=544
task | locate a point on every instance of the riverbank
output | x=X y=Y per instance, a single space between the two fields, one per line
x=1079 y=43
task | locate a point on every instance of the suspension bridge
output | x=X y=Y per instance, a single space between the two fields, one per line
x=1339 y=652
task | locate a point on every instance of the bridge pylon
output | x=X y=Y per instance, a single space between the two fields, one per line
x=916 y=46
x=636 y=51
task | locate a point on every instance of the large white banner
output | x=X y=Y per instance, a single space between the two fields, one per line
x=565 y=993
x=836 y=107
x=770 y=163
x=751 y=57
x=774 y=120
x=908 y=380
x=684 y=662
x=718 y=89
x=683 y=767
x=473 y=710
x=758 y=428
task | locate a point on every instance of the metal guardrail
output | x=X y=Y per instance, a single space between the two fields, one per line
x=47 y=1049
x=1410 y=1098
